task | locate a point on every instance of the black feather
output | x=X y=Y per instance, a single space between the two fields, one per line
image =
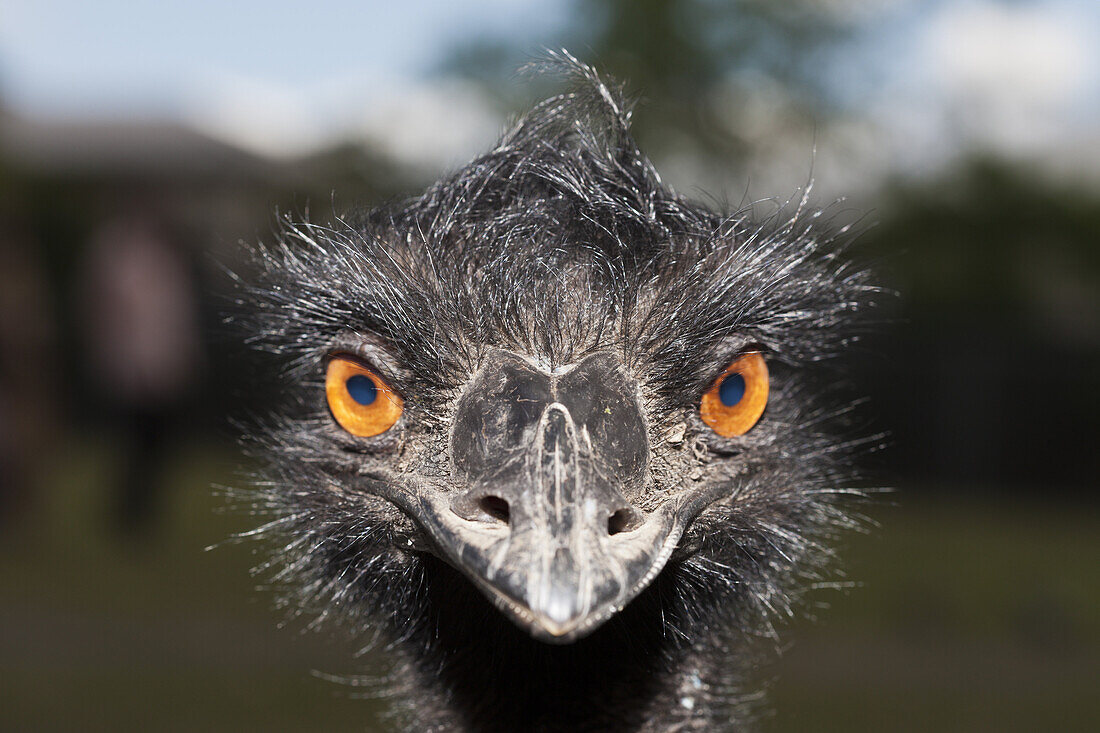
x=560 y=241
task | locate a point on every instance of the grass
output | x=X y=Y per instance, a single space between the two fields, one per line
x=971 y=615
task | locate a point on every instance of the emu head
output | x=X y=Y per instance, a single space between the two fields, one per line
x=559 y=378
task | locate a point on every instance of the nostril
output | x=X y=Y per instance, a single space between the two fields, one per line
x=495 y=507
x=622 y=520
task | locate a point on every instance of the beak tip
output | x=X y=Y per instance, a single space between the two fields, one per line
x=558 y=618
x=556 y=632
x=564 y=623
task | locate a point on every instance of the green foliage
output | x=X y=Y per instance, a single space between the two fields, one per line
x=991 y=237
x=696 y=57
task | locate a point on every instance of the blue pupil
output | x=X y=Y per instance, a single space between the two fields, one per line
x=731 y=390
x=362 y=389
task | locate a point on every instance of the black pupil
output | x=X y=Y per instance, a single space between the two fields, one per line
x=362 y=389
x=731 y=390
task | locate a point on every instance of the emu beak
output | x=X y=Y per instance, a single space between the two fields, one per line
x=544 y=529
x=560 y=580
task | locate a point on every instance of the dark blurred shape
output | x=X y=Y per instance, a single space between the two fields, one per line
x=123 y=225
x=148 y=149
x=28 y=370
x=140 y=315
x=992 y=366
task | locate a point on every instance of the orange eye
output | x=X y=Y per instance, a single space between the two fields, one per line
x=361 y=402
x=737 y=399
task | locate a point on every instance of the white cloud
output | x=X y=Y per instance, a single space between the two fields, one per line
x=1011 y=76
x=431 y=125
x=263 y=117
x=424 y=124
x=1020 y=81
x=925 y=85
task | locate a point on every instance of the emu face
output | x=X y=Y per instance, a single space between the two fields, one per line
x=570 y=385
x=546 y=458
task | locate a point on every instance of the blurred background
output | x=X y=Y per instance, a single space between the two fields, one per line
x=141 y=141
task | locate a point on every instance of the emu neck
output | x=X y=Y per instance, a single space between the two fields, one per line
x=485 y=674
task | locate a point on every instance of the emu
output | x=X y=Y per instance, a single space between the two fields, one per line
x=551 y=434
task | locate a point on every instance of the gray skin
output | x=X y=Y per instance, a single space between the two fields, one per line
x=550 y=538
x=543 y=523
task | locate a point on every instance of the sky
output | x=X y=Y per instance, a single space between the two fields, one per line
x=923 y=80
x=72 y=55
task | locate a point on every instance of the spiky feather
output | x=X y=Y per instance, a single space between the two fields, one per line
x=560 y=241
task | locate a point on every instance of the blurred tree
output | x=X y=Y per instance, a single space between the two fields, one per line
x=993 y=238
x=704 y=60
x=991 y=365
